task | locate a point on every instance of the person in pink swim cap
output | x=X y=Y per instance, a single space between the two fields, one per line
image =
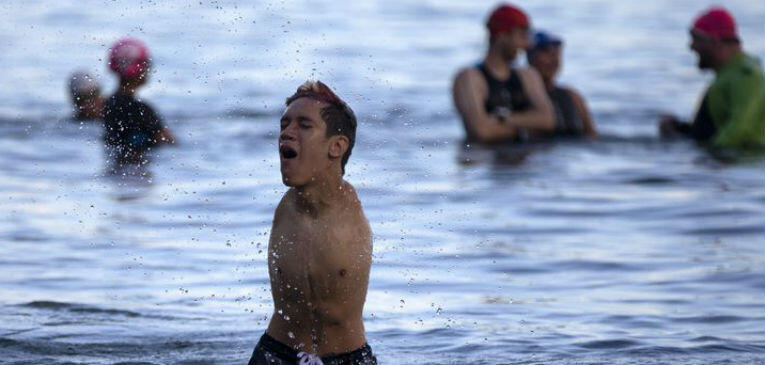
x=132 y=127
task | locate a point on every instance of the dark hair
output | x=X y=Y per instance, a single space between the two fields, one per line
x=337 y=114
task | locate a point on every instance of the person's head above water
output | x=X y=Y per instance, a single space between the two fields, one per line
x=714 y=38
x=85 y=93
x=508 y=28
x=318 y=131
x=544 y=54
x=129 y=59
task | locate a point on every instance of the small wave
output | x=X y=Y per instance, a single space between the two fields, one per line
x=590 y=265
x=730 y=347
x=651 y=180
x=706 y=339
x=654 y=351
x=719 y=348
x=755 y=279
x=77 y=308
x=609 y=344
x=251 y=113
x=7 y=342
x=727 y=231
x=715 y=319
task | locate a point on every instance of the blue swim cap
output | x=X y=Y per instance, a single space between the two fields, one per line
x=542 y=39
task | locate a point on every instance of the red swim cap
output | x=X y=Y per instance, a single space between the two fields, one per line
x=716 y=23
x=505 y=18
x=128 y=57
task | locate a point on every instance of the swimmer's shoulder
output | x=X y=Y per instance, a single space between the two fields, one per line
x=470 y=80
x=351 y=197
x=574 y=93
x=470 y=75
x=286 y=205
x=354 y=211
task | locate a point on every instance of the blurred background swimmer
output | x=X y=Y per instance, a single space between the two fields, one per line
x=131 y=127
x=85 y=93
x=732 y=111
x=497 y=101
x=572 y=117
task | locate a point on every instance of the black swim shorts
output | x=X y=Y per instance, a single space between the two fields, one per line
x=269 y=351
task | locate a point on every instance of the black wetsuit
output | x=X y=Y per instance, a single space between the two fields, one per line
x=703 y=127
x=269 y=351
x=507 y=94
x=130 y=126
x=505 y=97
x=567 y=121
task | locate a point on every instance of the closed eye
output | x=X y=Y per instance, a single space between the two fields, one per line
x=305 y=122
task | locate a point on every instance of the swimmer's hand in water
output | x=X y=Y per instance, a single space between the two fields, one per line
x=668 y=126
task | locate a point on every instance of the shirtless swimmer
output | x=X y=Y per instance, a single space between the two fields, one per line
x=320 y=250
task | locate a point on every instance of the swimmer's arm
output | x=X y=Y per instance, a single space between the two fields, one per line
x=542 y=116
x=469 y=101
x=281 y=209
x=154 y=122
x=279 y=216
x=584 y=113
x=670 y=126
x=355 y=254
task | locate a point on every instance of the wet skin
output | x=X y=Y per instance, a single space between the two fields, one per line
x=319 y=252
x=470 y=92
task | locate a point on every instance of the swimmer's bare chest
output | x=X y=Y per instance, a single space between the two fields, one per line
x=304 y=264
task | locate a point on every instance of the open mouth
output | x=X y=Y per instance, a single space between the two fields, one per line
x=287 y=152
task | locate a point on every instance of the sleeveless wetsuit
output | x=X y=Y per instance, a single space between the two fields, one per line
x=567 y=120
x=507 y=94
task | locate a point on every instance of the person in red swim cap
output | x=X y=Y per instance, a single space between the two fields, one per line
x=732 y=111
x=132 y=127
x=499 y=102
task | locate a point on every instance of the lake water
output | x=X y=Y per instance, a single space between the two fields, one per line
x=627 y=250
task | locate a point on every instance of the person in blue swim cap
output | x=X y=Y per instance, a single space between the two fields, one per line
x=572 y=117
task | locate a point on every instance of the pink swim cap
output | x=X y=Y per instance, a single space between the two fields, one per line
x=128 y=57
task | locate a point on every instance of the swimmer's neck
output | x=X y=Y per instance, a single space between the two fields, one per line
x=497 y=64
x=318 y=196
x=127 y=89
x=549 y=83
x=129 y=86
x=726 y=55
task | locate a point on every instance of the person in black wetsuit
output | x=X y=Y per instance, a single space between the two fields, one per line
x=131 y=127
x=572 y=117
x=498 y=102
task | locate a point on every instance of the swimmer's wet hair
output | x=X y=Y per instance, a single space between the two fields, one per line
x=83 y=86
x=337 y=114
